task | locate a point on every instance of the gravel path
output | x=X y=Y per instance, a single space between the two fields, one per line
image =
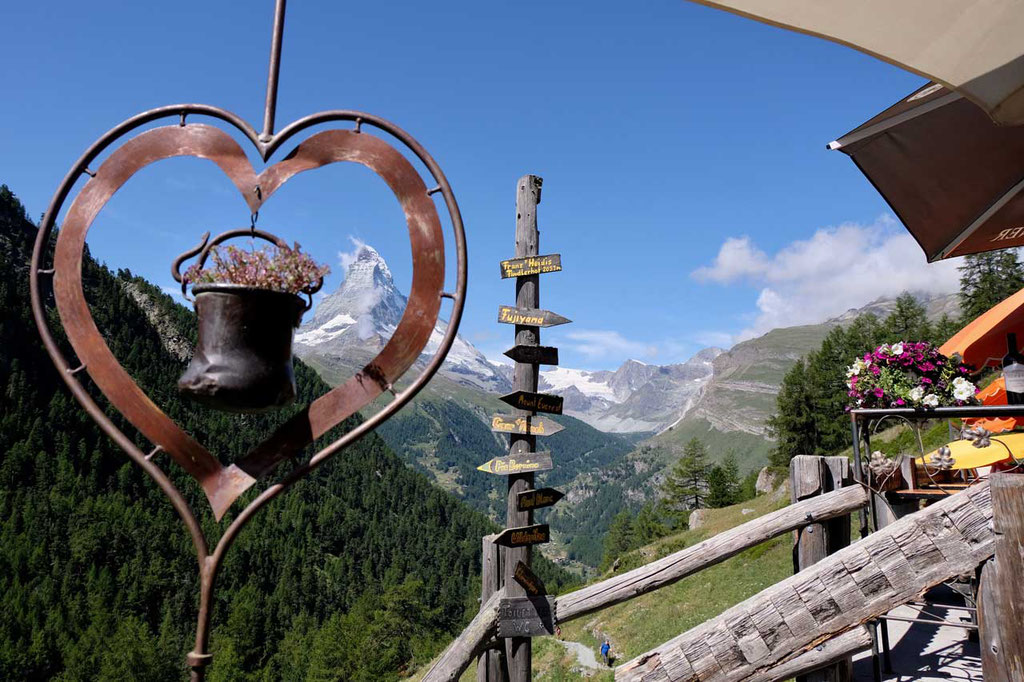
x=584 y=654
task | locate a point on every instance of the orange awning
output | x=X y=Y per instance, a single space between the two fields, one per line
x=995 y=394
x=983 y=342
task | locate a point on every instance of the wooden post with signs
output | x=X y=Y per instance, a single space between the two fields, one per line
x=518 y=650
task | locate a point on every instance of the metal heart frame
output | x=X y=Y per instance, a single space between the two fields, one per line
x=223 y=485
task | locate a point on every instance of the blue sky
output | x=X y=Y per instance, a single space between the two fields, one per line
x=686 y=182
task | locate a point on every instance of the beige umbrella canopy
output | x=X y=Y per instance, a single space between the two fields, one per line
x=971 y=46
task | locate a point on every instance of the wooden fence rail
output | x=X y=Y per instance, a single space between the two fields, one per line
x=652 y=576
x=863 y=581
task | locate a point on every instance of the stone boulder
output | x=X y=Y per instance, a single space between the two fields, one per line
x=698 y=518
x=768 y=481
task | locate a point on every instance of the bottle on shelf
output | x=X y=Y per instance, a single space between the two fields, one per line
x=1013 y=372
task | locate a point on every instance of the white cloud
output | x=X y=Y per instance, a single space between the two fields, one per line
x=837 y=268
x=597 y=344
x=347 y=258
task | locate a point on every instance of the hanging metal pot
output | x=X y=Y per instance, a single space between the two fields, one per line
x=243 y=357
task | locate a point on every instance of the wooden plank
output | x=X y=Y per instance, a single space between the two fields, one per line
x=992 y=664
x=538 y=499
x=677 y=566
x=822 y=655
x=535 y=402
x=526 y=617
x=489 y=666
x=524 y=536
x=527 y=462
x=527 y=426
x=538 y=355
x=1008 y=615
x=890 y=553
x=474 y=639
x=531 y=265
x=529 y=581
x=530 y=317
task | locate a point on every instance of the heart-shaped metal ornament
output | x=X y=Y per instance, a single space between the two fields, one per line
x=224 y=484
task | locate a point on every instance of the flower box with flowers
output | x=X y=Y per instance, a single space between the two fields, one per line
x=248 y=306
x=909 y=374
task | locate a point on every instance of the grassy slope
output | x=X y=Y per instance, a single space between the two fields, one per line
x=644 y=623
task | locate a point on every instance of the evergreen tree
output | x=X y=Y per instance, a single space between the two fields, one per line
x=620 y=539
x=907 y=322
x=686 y=485
x=793 y=425
x=647 y=526
x=988 y=278
x=724 y=483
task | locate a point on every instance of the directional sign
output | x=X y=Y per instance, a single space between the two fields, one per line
x=526 y=617
x=530 y=317
x=523 y=536
x=531 y=265
x=529 y=581
x=541 y=355
x=537 y=499
x=538 y=402
x=526 y=426
x=518 y=464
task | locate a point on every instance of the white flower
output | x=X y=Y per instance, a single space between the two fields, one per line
x=960 y=381
x=856 y=368
x=931 y=400
x=916 y=394
x=963 y=391
x=897 y=348
x=884 y=348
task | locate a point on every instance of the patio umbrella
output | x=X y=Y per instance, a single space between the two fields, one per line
x=967 y=456
x=983 y=341
x=972 y=46
x=951 y=175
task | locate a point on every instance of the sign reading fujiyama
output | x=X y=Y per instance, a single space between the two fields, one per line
x=538 y=402
x=531 y=265
x=527 y=426
x=537 y=499
x=531 y=317
x=518 y=464
x=523 y=536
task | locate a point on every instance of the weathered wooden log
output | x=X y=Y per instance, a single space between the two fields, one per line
x=714 y=550
x=863 y=581
x=992 y=664
x=460 y=653
x=827 y=653
x=1004 y=613
x=490 y=666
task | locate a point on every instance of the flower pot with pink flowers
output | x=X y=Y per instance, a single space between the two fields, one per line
x=909 y=374
x=248 y=303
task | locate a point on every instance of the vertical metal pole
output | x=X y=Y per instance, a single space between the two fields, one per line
x=275 y=68
x=518 y=650
x=858 y=472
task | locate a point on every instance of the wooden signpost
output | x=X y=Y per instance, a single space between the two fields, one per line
x=531 y=317
x=537 y=534
x=529 y=581
x=536 y=426
x=526 y=617
x=534 y=402
x=526 y=462
x=538 y=499
x=524 y=612
x=531 y=265
x=538 y=355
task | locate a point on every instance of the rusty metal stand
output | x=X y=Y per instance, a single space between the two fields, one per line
x=223 y=485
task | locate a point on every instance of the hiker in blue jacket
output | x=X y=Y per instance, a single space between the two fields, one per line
x=605 y=649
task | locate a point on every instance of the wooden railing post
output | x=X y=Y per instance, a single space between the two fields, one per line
x=1002 y=595
x=490 y=666
x=810 y=477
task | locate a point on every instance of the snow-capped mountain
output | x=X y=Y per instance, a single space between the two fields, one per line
x=352 y=324
x=636 y=396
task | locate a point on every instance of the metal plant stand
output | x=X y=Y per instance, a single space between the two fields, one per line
x=861 y=421
x=224 y=484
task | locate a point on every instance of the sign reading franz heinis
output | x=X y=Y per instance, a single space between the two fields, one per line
x=530 y=317
x=525 y=426
x=526 y=617
x=531 y=265
x=518 y=464
x=538 y=499
x=538 y=402
x=524 y=536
